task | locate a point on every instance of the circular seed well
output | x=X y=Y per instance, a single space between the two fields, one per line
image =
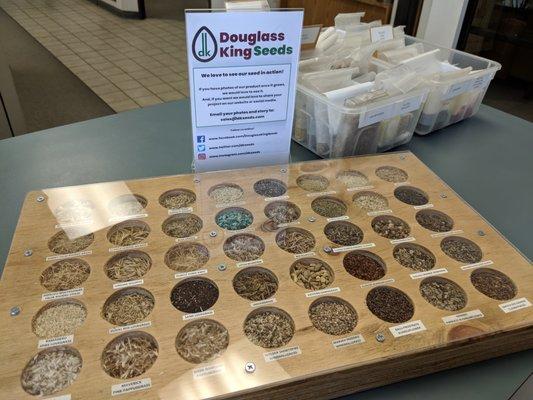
x=177 y=198
x=226 y=193
x=129 y=355
x=443 y=293
x=282 y=212
x=194 y=295
x=234 y=218
x=312 y=183
x=370 y=201
x=65 y=274
x=493 y=284
x=352 y=178
x=244 y=247
x=391 y=174
x=333 y=316
x=128 y=204
x=74 y=211
x=59 y=318
x=269 y=327
x=329 y=207
x=51 y=371
x=311 y=273
x=270 y=187
x=128 y=306
x=60 y=243
x=128 y=265
x=434 y=220
x=364 y=265
x=295 y=240
x=414 y=256
x=128 y=233
x=313 y=166
x=391 y=227
x=390 y=304
x=182 y=225
x=461 y=249
x=411 y=195
x=202 y=341
x=255 y=283
x=185 y=257
x=343 y=233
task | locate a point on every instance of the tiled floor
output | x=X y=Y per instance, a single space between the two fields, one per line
x=128 y=63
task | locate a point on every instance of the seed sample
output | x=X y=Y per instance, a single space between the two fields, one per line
x=59 y=318
x=311 y=273
x=411 y=195
x=443 y=293
x=353 y=178
x=270 y=187
x=329 y=207
x=493 y=284
x=185 y=257
x=461 y=249
x=370 y=201
x=234 y=218
x=226 y=193
x=60 y=243
x=312 y=183
x=74 y=211
x=414 y=256
x=177 y=198
x=295 y=240
x=390 y=227
x=202 y=341
x=343 y=233
x=128 y=265
x=182 y=225
x=282 y=212
x=51 y=371
x=127 y=204
x=65 y=274
x=128 y=306
x=313 y=166
x=364 y=265
x=128 y=233
x=434 y=220
x=269 y=327
x=390 y=304
x=391 y=174
x=333 y=316
x=255 y=283
x=129 y=355
x=194 y=295
x=244 y=247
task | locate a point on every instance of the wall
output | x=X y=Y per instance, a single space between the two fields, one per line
x=125 y=5
x=441 y=21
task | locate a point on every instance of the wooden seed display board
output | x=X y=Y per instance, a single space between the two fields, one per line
x=312 y=364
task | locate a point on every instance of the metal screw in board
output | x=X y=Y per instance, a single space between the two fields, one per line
x=196 y=180
x=14 y=311
x=249 y=367
x=311 y=219
x=222 y=267
x=283 y=170
x=402 y=157
x=380 y=337
x=40 y=199
x=443 y=195
x=327 y=249
x=213 y=234
x=481 y=233
x=28 y=252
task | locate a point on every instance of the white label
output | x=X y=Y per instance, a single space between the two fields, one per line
x=121 y=285
x=120 y=218
x=183 y=210
x=186 y=239
x=57 y=341
x=208 y=370
x=353 y=247
x=374 y=213
x=456 y=89
x=63 y=397
x=514 y=305
x=377 y=283
x=130 y=247
x=379 y=33
x=62 y=294
x=322 y=292
x=234 y=232
x=353 y=189
x=387 y=111
x=407 y=329
x=315 y=194
x=139 y=325
x=442 y=234
x=200 y=314
x=181 y=275
x=341 y=218
x=428 y=205
x=277 y=198
x=454 y=319
x=280 y=354
x=132 y=386
x=310 y=34
x=425 y=274
x=477 y=265
x=404 y=240
x=71 y=255
x=348 y=341
x=304 y=255
x=402 y=183
x=263 y=302
x=249 y=263
x=288 y=224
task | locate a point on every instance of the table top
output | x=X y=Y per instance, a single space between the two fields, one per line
x=485 y=159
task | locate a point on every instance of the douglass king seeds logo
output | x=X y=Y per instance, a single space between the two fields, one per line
x=204 y=45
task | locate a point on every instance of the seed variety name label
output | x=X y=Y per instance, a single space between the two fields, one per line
x=443 y=234
x=378 y=114
x=130 y=247
x=263 y=302
x=277 y=198
x=200 y=314
x=280 y=354
x=71 y=255
x=121 y=218
x=63 y=397
x=208 y=370
x=140 y=325
x=322 y=292
x=304 y=255
x=374 y=213
x=249 y=263
x=186 y=239
x=132 y=386
x=288 y=224
x=466 y=316
x=515 y=305
x=64 y=294
x=425 y=274
x=477 y=265
x=428 y=205
x=353 y=189
x=316 y=194
x=464 y=86
x=377 y=283
x=404 y=240
x=57 y=341
x=234 y=204
x=121 y=285
x=183 y=210
x=348 y=341
x=181 y=275
x=354 y=247
x=341 y=218
x=407 y=329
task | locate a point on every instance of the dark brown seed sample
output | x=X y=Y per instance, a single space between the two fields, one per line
x=443 y=293
x=128 y=204
x=434 y=220
x=461 y=249
x=185 y=257
x=255 y=284
x=244 y=247
x=414 y=256
x=269 y=327
x=353 y=178
x=364 y=265
x=282 y=212
x=270 y=187
x=61 y=243
x=202 y=341
x=177 y=198
x=328 y=207
x=65 y=274
x=390 y=227
x=411 y=195
x=391 y=174
x=128 y=233
x=128 y=306
x=333 y=316
x=312 y=183
x=343 y=233
x=493 y=284
x=194 y=295
x=182 y=225
x=295 y=240
x=390 y=304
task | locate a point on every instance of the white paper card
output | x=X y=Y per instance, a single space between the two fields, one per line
x=379 y=33
x=132 y=386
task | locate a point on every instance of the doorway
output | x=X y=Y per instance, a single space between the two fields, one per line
x=172 y=9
